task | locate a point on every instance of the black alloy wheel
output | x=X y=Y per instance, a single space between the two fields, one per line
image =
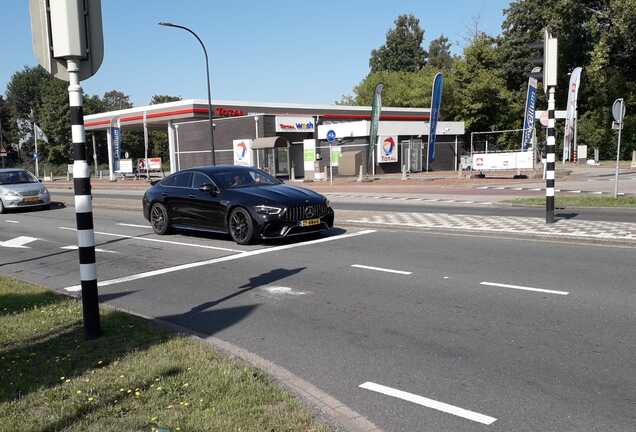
x=159 y=219
x=241 y=226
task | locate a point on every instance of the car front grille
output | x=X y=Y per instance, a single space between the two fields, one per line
x=30 y=193
x=294 y=214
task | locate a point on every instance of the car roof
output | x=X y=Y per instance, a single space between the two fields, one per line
x=213 y=169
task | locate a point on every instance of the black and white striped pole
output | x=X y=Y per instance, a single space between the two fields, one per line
x=83 y=206
x=550 y=161
x=550 y=63
x=68 y=43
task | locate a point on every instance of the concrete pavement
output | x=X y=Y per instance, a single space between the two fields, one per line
x=535 y=335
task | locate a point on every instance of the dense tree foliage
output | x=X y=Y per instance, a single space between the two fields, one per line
x=486 y=86
x=403 y=48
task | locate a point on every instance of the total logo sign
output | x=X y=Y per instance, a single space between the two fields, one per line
x=388 y=149
x=242 y=152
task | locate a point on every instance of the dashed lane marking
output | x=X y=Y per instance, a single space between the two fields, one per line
x=381 y=269
x=429 y=403
x=524 y=288
x=12 y=221
x=18 y=242
x=221 y=259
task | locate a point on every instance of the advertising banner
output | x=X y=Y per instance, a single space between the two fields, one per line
x=243 y=152
x=502 y=161
x=294 y=124
x=436 y=104
x=335 y=155
x=125 y=166
x=309 y=155
x=528 y=119
x=570 y=113
x=388 y=149
x=116 y=134
x=375 y=122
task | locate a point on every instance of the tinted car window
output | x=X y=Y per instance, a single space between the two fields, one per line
x=184 y=180
x=244 y=178
x=200 y=180
x=169 y=181
x=16 y=177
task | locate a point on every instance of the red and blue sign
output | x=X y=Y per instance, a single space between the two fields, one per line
x=388 y=151
x=436 y=104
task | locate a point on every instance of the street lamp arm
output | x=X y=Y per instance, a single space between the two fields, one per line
x=207 y=72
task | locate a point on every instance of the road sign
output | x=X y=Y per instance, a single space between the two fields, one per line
x=618 y=111
x=67 y=29
x=331 y=136
x=3 y=152
x=550 y=62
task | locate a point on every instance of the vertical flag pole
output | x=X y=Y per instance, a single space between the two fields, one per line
x=550 y=161
x=83 y=207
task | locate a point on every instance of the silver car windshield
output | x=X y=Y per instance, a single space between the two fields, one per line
x=16 y=177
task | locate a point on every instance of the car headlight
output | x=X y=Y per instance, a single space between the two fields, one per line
x=13 y=194
x=327 y=203
x=268 y=210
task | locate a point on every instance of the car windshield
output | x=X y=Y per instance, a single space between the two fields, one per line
x=244 y=178
x=16 y=177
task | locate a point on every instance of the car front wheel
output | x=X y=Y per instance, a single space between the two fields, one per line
x=159 y=219
x=241 y=226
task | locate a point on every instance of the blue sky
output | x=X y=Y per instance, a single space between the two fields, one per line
x=274 y=50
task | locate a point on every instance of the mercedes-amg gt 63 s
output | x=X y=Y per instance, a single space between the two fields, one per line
x=245 y=202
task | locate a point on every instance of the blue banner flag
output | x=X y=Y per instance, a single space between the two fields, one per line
x=528 y=119
x=436 y=103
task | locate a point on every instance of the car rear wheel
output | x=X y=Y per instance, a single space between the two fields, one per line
x=159 y=219
x=241 y=226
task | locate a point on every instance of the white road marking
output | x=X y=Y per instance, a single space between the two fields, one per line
x=218 y=260
x=279 y=290
x=524 y=288
x=12 y=221
x=18 y=242
x=158 y=240
x=133 y=225
x=75 y=247
x=360 y=266
x=429 y=403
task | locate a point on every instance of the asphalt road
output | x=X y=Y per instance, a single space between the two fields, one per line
x=386 y=205
x=547 y=343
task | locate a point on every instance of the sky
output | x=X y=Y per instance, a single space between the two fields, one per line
x=260 y=50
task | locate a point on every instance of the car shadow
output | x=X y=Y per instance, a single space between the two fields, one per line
x=53 y=206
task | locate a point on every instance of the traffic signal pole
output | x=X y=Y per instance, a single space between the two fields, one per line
x=83 y=207
x=550 y=161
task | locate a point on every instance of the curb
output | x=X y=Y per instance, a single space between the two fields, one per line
x=335 y=411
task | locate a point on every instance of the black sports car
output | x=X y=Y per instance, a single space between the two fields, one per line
x=245 y=202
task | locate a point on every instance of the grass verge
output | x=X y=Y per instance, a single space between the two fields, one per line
x=137 y=377
x=581 y=201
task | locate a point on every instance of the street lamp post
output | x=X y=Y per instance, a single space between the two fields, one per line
x=207 y=72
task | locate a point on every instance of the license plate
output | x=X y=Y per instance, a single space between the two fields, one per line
x=310 y=222
x=31 y=200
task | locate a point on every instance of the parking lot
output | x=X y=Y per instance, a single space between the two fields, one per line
x=413 y=330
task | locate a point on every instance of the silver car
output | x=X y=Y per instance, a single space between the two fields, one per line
x=20 y=189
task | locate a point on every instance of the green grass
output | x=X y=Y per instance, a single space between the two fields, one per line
x=581 y=201
x=137 y=377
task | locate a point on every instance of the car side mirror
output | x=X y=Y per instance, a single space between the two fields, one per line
x=208 y=188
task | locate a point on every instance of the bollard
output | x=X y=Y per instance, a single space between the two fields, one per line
x=326 y=173
x=403 y=172
x=360 y=175
x=633 y=165
x=292 y=176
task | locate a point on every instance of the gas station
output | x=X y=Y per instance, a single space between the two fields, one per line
x=270 y=136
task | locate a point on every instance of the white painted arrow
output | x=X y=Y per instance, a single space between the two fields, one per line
x=18 y=242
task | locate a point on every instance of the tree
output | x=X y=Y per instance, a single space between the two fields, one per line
x=159 y=99
x=115 y=100
x=403 y=50
x=439 y=55
x=54 y=119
